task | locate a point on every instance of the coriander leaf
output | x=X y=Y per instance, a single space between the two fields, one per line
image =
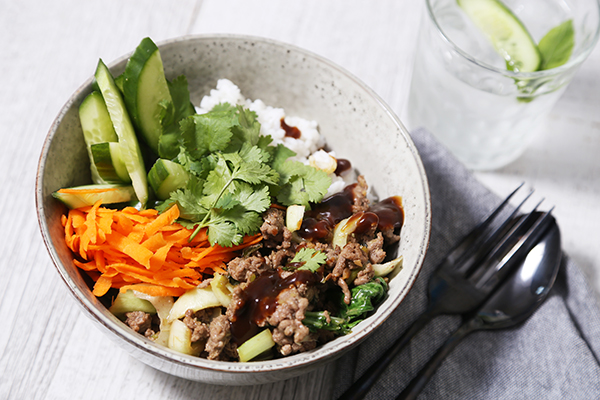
x=249 y=127
x=279 y=156
x=172 y=114
x=223 y=107
x=250 y=153
x=311 y=258
x=255 y=173
x=301 y=184
x=264 y=142
x=180 y=94
x=253 y=199
x=206 y=133
x=556 y=47
x=227 y=202
x=224 y=233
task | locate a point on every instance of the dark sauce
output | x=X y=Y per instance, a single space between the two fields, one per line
x=319 y=221
x=343 y=165
x=390 y=213
x=290 y=131
x=259 y=299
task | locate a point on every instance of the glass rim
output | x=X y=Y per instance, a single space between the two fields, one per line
x=573 y=61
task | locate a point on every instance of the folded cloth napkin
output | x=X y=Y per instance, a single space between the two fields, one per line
x=555 y=354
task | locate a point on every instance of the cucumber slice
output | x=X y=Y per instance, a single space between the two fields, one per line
x=97 y=127
x=128 y=302
x=256 y=345
x=88 y=195
x=130 y=148
x=165 y=177
x=146 y=92
x=506 y=32
x=109 y=163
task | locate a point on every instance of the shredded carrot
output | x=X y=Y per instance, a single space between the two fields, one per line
x=143 y=250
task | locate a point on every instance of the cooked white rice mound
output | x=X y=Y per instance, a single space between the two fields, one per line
x=309 y=144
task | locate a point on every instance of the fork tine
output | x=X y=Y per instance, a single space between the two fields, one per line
x=513 y=244
x=475 y=236
x=472 y=258
x=539 y=227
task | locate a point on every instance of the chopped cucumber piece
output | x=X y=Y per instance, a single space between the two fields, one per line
x=147 y=94
x=167 y=176
x=88 y=195
x=127 y=302
x=180 y=339
x=507 y=33
x=109 y=162
x=130 y=148
x=219 y=286
x=386 y=268
x=256 y=345
x=96 y=125
x=194 y=299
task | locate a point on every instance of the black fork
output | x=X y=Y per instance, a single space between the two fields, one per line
x=464 y=278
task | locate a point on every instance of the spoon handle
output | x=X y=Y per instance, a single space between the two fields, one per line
x=361 y=387
x=418 y=383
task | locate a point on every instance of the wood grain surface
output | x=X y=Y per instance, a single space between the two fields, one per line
x=48 y=348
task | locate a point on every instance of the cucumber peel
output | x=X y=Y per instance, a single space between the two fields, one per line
x=88 y=195
x=130 y=149
x=167 y=176
x=107 y=159
x=506 y=32
x=146 y=92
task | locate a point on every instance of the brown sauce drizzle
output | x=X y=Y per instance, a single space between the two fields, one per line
x=319 y=222
x=390 y=213
x=290 y=131
x=259 y=299
x=343 y=165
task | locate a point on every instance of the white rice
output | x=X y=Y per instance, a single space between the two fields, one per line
x=310 y=142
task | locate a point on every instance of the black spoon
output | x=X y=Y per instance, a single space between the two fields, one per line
x=511 y=304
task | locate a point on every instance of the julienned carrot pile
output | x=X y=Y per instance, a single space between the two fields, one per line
x=143 y=251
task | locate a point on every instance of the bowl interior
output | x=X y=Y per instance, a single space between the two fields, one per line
x=355 y=123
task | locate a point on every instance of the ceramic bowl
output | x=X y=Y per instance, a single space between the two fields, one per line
x=356 y=123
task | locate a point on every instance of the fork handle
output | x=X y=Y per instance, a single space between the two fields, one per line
x=360 y=388
x=420 y=381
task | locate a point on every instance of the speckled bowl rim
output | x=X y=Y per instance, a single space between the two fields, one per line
x=335 y=350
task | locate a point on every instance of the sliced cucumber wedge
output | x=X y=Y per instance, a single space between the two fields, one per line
x=97 y=127
x=506 y=32
x=167 y=176
x=108 y=160
x=128 y=302
x=88 y=195
x=130 y=149
x=146 y=92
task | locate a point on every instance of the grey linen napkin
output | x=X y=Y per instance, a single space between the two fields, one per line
x=554 y=355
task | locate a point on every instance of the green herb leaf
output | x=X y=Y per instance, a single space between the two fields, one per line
x=364 y=299
x=302 y=184
x=311 y=258
x=556 y=47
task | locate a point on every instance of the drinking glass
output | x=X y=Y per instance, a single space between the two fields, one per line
x=463 y=93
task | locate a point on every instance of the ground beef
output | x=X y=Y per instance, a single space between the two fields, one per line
x=375 y=248
x=279 y=258
x=290 y=335
x=361 y=203
x=364 y=275
x=244 y=269
x=272 y=227
x=218 y=345
x=198 y=322
x=139 y=321
x=351 y=258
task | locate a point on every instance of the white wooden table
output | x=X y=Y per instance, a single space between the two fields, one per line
x=48 y=348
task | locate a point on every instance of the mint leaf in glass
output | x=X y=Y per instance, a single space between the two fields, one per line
x=556 y=47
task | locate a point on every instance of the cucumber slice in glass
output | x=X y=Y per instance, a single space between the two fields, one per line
x=506 y=32
x=130 y=148
x=109 y=163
